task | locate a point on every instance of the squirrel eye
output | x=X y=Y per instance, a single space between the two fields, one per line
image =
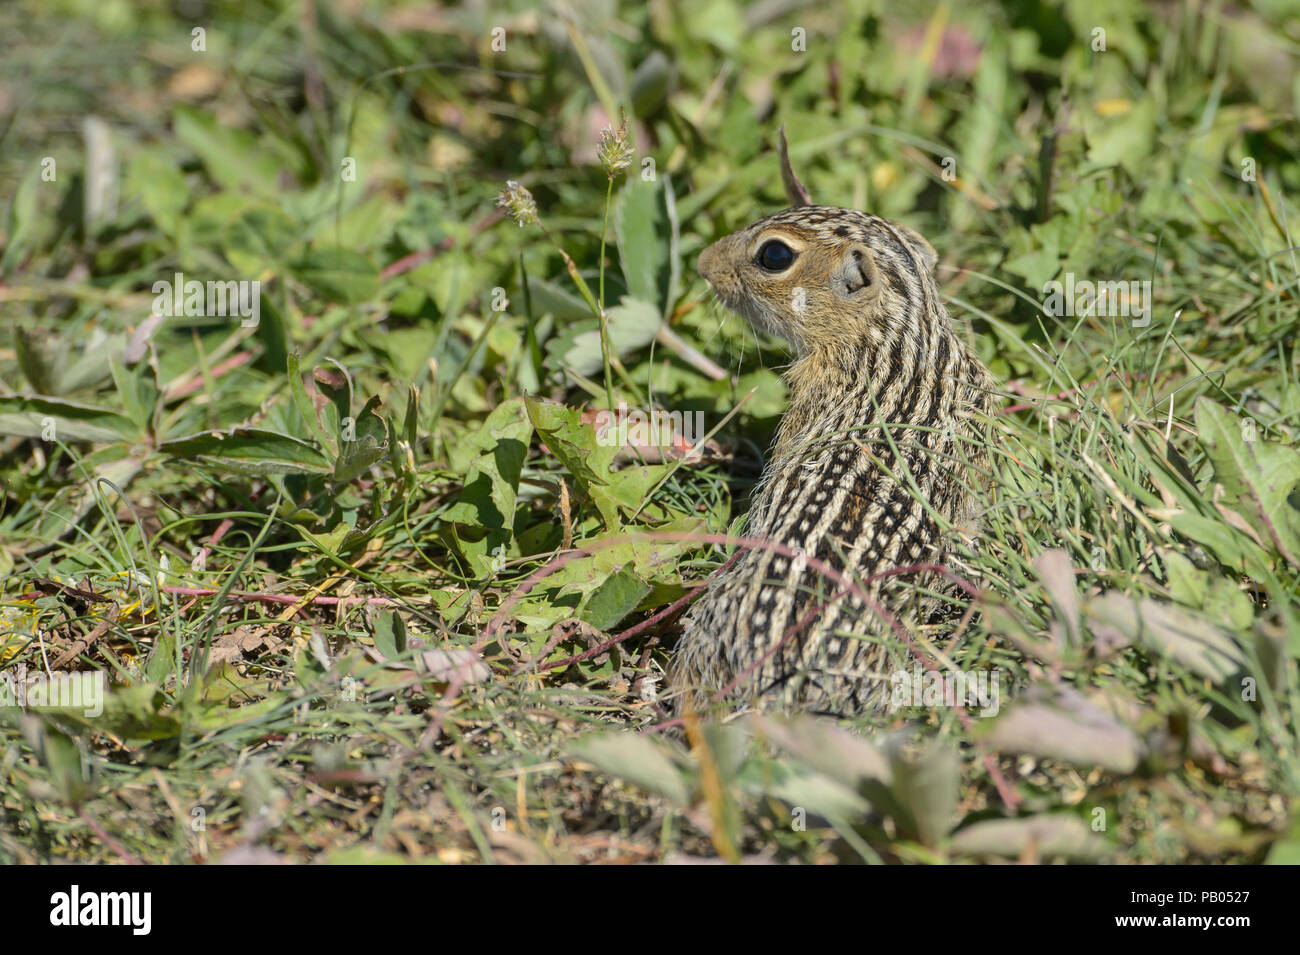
x=775 y=256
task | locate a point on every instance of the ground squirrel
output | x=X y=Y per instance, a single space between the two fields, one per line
x=856 y=299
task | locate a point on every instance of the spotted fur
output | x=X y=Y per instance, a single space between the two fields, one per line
x=873 y=459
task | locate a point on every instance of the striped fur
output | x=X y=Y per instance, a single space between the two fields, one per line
x=835 y=488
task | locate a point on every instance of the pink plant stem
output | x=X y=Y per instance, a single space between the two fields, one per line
x=415 y=259
x=279 y=598
x=108 y=840
x=645 y=624
x=215 y=539
x=175 y=390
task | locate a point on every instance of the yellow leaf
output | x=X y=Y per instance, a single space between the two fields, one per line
x=1113 y=107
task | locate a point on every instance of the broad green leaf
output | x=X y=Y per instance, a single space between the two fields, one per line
x=1057 y=574
x=139 y=392
x=819 y=794
x=233 y=157
x=341 y=540
x=1221 y=598
x=627 y=490
x=23 y=223
x=486 y=506
x=409 y=349
x=219 y=715
x=848 y=759
x=204 y=228
x=1123 y=140
x=1047 y=835
x=260 y=237
x=57 y=419
x=1035 y=254
x=134 y=713
x=638 y=760
x=451 y=279
x=550 y=298
x=365 y=441
x=925 y=785
x=1188 y=585
x=224 y=682
x=651 y=82
x=769 y=401
x=52 y=367
x=614 y=599
x=63 y=757
x=161 y=186
x=1286 y=851
x=390 y=635
x=1258 y=477
x=273 y=335
x=631 y=325
x=250 y=451
x=611 y=552
x=69 y=504
x=1172 y=631
x=1064 y=724
x=642 y=231
x=847 y=762
x=139 y=712
x=307 y=409
x=571 y=440
x=368 y=223
x=1232 y=547
x=338 y=275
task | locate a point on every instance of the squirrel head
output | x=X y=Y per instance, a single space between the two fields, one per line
x=824 y=278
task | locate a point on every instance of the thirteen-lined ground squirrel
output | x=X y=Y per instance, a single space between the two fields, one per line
x=871 y=469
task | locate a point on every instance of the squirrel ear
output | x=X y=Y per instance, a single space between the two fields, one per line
x=856 y=271
x=796 y=193
x=922 y=248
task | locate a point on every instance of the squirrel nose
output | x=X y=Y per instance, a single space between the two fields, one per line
x=709 y=260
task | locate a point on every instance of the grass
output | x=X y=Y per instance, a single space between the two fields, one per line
x=353 y=571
